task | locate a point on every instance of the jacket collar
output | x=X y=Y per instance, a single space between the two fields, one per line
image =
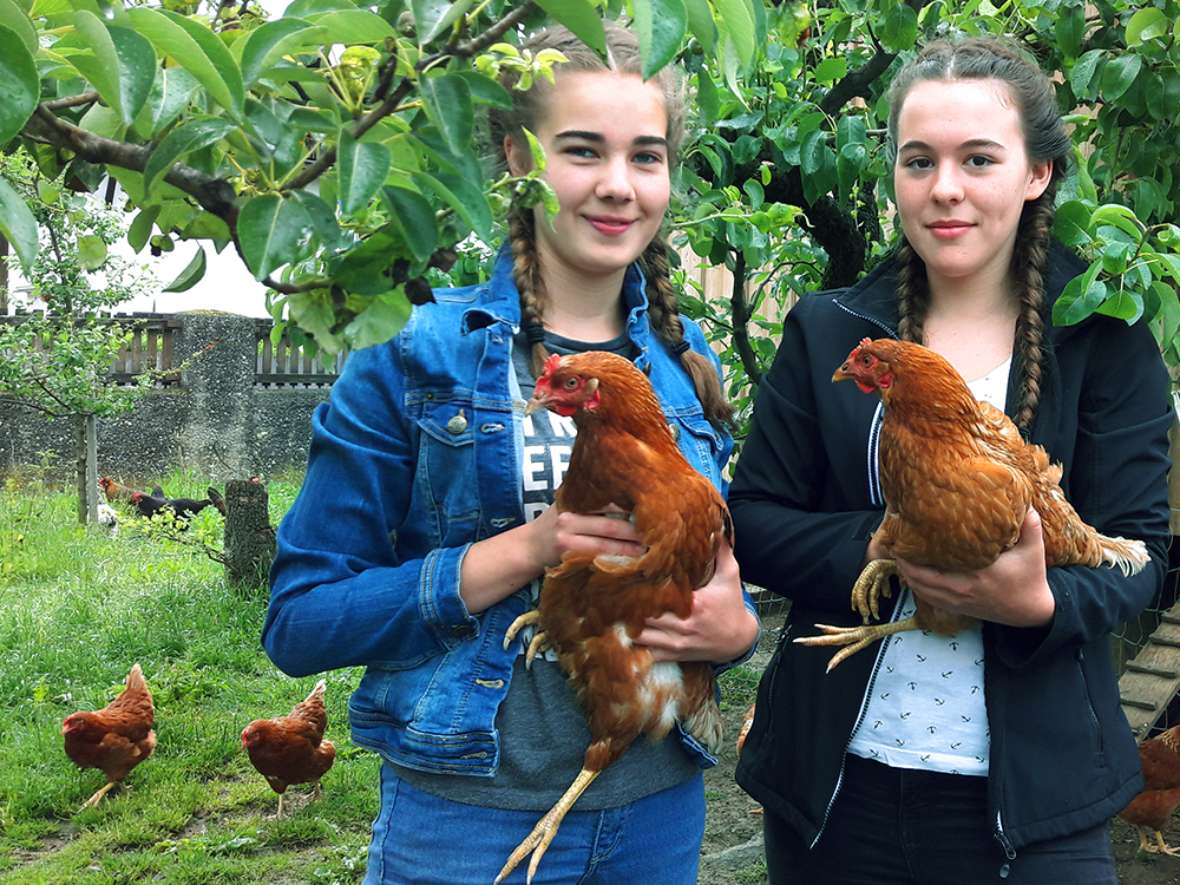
x=499 y=300
x=875 y=296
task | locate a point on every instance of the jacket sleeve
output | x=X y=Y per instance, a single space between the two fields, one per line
x=339 y=595
x=786 y=541
x=1118 y=484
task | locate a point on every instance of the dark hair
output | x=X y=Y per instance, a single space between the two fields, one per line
x=622 y=56
x=1045 y=139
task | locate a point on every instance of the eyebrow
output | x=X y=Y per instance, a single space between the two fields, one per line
x=598 y=138
x=913 y=144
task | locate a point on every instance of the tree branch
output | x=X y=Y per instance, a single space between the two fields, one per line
x=741 y=316
x=215 y=195
x=72 y=101
x=295 y=288
x=856 y=83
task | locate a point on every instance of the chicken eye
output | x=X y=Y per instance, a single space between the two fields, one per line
x=865 y=359
x=570 y=383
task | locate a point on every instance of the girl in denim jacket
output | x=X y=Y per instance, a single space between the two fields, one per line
x=423 y=527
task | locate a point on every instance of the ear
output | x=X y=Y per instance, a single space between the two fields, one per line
x=1039 y=176
x=519 y=160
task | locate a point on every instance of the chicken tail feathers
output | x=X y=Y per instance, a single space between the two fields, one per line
x=704 y=723
x=1128 y=556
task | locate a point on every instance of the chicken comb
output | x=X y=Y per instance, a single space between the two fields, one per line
x=552 y=364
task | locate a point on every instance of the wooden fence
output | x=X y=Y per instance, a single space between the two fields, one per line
x=287 y=364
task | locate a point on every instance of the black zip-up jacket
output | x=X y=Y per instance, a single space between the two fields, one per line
x=805 y=500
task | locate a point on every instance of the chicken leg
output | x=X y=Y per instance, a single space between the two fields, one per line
x=855 y=638
x=1161 y=847
x=537 y=842
x=97 y=797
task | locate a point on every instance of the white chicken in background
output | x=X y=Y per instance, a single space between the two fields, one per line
x=108 y=519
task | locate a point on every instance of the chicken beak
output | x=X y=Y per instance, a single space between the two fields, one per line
x=537 y=402
x=841 y=374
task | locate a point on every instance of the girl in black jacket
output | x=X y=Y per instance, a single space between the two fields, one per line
x=999 y=752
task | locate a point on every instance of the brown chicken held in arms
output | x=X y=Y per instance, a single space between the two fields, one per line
x=1150 y=811
x=116 y=738
x=958 y=481
x=592 y=607
x=291 y=749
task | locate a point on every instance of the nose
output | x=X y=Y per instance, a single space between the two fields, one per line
x=947 y=188
x=615 y=181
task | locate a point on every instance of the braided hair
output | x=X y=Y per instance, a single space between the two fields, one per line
x=1045 y=140
x=623 y=56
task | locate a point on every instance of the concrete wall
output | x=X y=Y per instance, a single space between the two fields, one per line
x=216 y=420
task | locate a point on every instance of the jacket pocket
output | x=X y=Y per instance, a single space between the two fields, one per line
x=446 y=471
x=1091 y=709
x=699 y=442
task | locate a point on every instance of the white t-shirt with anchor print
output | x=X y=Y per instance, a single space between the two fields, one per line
x=926 y=709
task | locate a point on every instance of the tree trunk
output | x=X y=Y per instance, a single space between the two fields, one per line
x=249 y=538
x=87 y=449
x=3 y=276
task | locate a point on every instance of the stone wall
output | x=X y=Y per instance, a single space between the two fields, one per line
x=217 y=420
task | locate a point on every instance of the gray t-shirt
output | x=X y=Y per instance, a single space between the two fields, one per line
x=543 y=729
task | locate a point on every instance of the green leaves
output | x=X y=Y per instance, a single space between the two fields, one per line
x=18 y=225
x=581 y=17
x=661 y=26
x=272 y=41
x=191 y=275
x=362 y=168
x=737 y=19
x=197 y=49
x=1118 y=74
x=352 y=27
x=92 y=252
x=1146 y=24
x=900 y=28
x=1081 y=297
x=20 y=86
x=271 y=231
x=184 y=139
x=414 y=218
x=447 y=102
x=121 y=64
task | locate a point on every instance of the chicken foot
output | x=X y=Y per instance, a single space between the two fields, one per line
x=855 y=638
x=97 y=797
x=537 y=842
x=870 y=586
x=1161 y=847
x=539 y=643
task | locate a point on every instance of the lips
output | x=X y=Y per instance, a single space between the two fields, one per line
x=608 y=225
x=947 y=230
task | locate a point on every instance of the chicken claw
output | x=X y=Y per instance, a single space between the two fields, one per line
x=1161 y=847
x=872 y=583
x=539 y=644
x=855 y=638
x=537 y=842
x=529 y=617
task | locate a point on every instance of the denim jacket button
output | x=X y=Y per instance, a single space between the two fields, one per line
x=457 y=424
x=675 y=429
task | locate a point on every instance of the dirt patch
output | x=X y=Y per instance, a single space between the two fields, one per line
x=732 y=849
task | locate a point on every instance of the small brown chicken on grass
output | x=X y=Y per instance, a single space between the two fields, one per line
x=1150 y=811
x=958 y=481
x=116 y=738
x=291 y=749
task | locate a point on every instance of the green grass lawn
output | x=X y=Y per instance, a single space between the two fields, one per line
x=77 y=609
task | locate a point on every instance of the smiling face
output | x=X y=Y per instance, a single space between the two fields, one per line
x=604 y=135
x=962 y=177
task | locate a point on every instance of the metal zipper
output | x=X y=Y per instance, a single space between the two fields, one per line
x=861 y=316
x=1009 y=851
x=864 y=705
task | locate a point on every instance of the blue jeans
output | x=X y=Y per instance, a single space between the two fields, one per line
x=422 y=839
x=894 y=826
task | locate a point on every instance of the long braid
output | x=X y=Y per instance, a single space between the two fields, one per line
x=526 y=272
x=664 y=315
x=1029 y=261
x=913 y=295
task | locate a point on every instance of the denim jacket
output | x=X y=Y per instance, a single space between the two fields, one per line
x=416 y=456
